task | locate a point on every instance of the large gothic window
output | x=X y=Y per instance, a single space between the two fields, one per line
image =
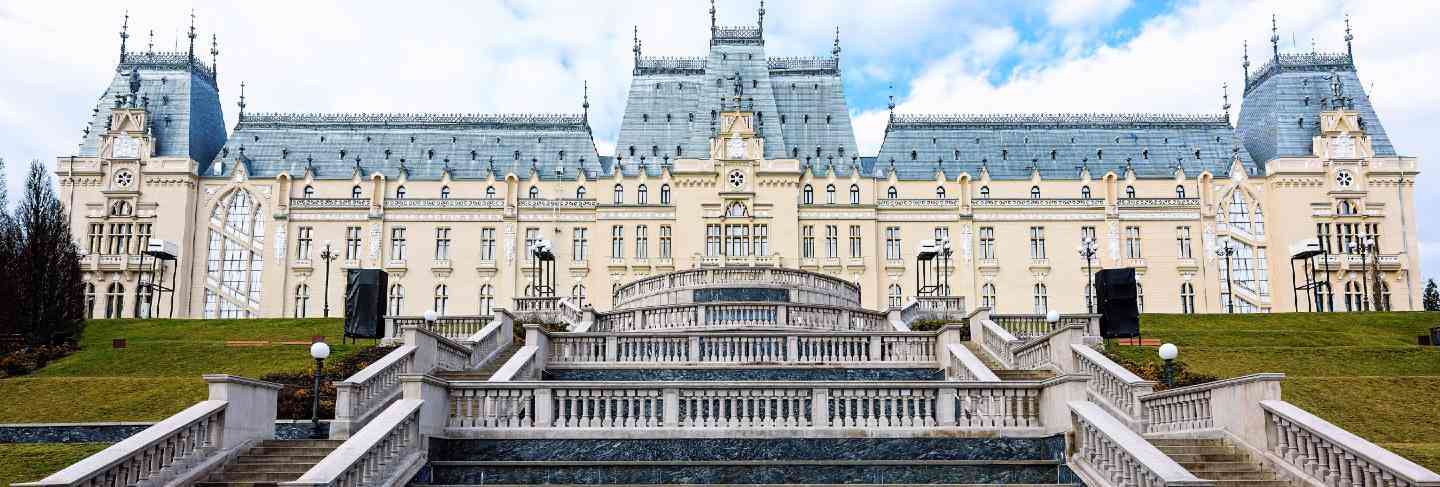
x=115 y=301
x=235 y=258
x=987 y=296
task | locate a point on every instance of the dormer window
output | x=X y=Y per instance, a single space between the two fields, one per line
x=642 y=195
x=807 y=195
x=489 y=191
x=618 y=194
x=1179 y=191
x=580 y=193
x=308 y=192
x=534 y=192
x=444 y=192
x=892 y=193
x=1130 y=192
x=1085 y=192
x=400 y=193
x=940 y=192
x=664 y=194
x=1034 y=192
x=984 y=192
x=355 y=192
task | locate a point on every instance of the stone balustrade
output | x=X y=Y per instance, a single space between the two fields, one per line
x=673 y=287
x=1033 y=355
x=728 y=349
x=1228 y=405
x=732 y=315
x=369 y=390
x=996 y=341
x=965 y=366
x=1014 y=408
x=545 y=309
x=180 y=449
x=1029 y=326
x=330 y=203
x=938 y=308
x=452 y=327
x=1109 y=452
x=387 y=452
x=1332 y=456
x=1112 y=386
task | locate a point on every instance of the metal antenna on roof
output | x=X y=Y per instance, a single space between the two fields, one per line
x=586 y=104
x=1245 y=64
x=191 y=35
x=1350 y=53
x=1274 y=38
x=124 y=35
x=892 y=101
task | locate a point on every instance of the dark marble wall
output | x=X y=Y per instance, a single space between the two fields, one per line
x=763 y=473
x=731 y=449
x=112 y=433
x=747 y=374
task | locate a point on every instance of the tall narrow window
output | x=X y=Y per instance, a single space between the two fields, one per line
x=580 y=193
x=617 y=242
x=487 y=244
x=302 y=300
x=397 y=243
x=829 y=194
x=1037 y=242
x=642 y=195
x=399 y=192
x=618 y=194
x=352 y=243
x=355 y=192
x=761 y=243
x=807 y=195
x=1179 y=191
x=115 y=301
x=1041 y=299
x=442 y=298
x=987 y=296
x=90 y=300
x=642 y=242
x=664 y=194
x=1085 y=192
x=892 y=243
x=577 y=294
x=807 y=242
x=712 y=240
x=534 y=192
x=854 y=194
x=580 y=244
x=397 y=299
x=444 y=192
x=1139 y=297
x=832 y=241
x=665 y=242
x=144 y=301
x=1182 y=241
x=1132 y=242
x=442 y=243
x=855 y=243
x=97 y=238
x=897 y=296
x=987 y=242
x=309 y=191
x=1187 y=298
x=235 y=261
x=737 y=240
x=487 y=299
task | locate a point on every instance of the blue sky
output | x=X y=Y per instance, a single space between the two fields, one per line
x=508 y=57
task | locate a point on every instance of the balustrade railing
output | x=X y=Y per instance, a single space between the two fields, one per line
x=839 y=288
x=1109 y=449
x=739 y=315
x=753 y=405
x=998 y=342
x=362 y=394
x=1334 y=456
x=701 y=348
x=1033 y=355
x=965 y=366
x=1110 y=384
x=452 y=327
x=937 y=308
x=1030 y=326
x=386 y=452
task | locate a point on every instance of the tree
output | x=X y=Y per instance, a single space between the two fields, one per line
x=8 y=246
x=1432 y=296
x=45 y=269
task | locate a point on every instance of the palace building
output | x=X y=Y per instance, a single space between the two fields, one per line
x=735 y=158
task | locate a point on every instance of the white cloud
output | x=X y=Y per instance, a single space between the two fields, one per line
x=1081 y=13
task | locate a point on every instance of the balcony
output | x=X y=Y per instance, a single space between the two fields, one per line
x=917 y=203
x=897 y=264
x=558 y=203
x=767 y=260
x=617 y=263
x=302 y=264
x=330 y=203
x=989 y=264
x=712 y=261
x=1039 y=264
x=457 y=203
x=113 y=262
x=1038 y=203
x=1187 y=264
x=396 y=265
x=1389 y=262
x=1136 y=262
x=350 y=264
x=1325 y=262
x=440 y=264
x=485 y=265
x=1158 y=203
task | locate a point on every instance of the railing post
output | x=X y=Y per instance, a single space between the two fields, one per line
x=426 y=349
x=700 y=315
x=344 y=401
x=792 y=348
x=693 y=344
x=435 y=413
x=945 y=406
x=544 y=407
x=819 y=407
x=782 y=314
x=251 y=412
x=612 y=348
x=672 y=407
x=876 y=349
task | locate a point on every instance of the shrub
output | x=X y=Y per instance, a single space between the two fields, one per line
x=932 y=325
x=1155 y=371
x=25 y=361
x=295 y=397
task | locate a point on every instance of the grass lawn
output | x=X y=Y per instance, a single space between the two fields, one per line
x=158 y=373
x=1361 y=371
x=31 y=462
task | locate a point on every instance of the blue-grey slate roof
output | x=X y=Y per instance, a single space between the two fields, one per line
x=181 y=101
x=1058 y=145
x=1283 y=99
x=422 y=145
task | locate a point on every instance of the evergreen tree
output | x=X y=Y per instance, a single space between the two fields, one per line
x=1432 y=296
x=48 y=299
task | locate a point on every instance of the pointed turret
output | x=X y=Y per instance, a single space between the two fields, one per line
x=1274 y=37
x=191 y=35
x=1349 y=52
x=124 y=35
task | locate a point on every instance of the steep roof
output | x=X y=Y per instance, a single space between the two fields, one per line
x=180 y=98
x=1058 y=145
x=423 y=145
x=1280 y=113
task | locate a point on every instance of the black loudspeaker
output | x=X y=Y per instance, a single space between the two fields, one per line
x=365 y=302
x=1115 y=294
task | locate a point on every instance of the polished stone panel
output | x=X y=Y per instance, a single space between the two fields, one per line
x=746 y=374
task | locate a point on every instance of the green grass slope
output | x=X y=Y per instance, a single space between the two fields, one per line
x=1361 y=371
x=31 y=462
x=158 y=373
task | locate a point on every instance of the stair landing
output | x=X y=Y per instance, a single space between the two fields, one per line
x=1219 y=461
x=270 y=463
x=1003 y=373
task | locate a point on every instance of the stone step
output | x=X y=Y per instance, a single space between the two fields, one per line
x=1198 y=467
x=984 y=357
x=1163 y=442
x=288 y=467
x=229 y=476
x=331 y=444
x=1252 y=483
x=1199 y=450
x=288 y=451
x=310 y=459
x=483 y=373
x=234 y=484
x=763 y=485
x=1011 y=374
x=1256 y=474
x=1206 y=457
x=746 y=472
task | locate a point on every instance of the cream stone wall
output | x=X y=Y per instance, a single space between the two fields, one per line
x=1295 y=195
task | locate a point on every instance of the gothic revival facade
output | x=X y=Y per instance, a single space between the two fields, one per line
x=740 y=159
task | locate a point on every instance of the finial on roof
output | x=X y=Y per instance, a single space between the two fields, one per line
x=712 y=18
x=1274 y=37
x=1337 y=92
x=215 y=55
x=761 y=24
x=124 y=35
x=1225 y=98
x=835 y=51
x=241 y=103
x=635 y=38
x=134 y=86
x=1350 y=53
x=892 y=102
x=586 y=104
x=191 y=35
x=1312 y=44
x=150 y=46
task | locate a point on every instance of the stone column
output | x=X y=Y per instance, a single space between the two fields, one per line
x=819 y=407
x=436 y=395
x=544 y=408
x=672 y=407
x=250 y=412
x=945 y=406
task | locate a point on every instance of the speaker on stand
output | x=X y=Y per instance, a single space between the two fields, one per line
x=1116 y=298
x=365 y=302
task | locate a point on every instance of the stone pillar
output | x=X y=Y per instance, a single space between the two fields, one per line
x=819 y=407
x=792 y=348
x=612 y=349
x=982 y=314
x=1055 y=398
x=945 y=407
x=538 y=338
x=694 y=349
x=949 y=334
x=250 y=408
x=544 y=408
x=435 y=412
x=1236 y=407
x=672 y=407
x=877 y=349
x=426 y=349
x=344 y=403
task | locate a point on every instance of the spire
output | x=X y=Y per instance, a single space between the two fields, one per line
x=215 y=55
x=1274 y=38
x=1312 y=44
x=191 y=35
x=1225 y=99
x=892 y=102
x=124 y=35
x=761 y=24
x=712 y=18
x=150 y=46
x=635 y=39
x=241 y=103
x=1350 y=53
x=1245 y=65
x=835 y=51
x=586 y=104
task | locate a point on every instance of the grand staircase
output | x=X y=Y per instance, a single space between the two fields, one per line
x=1004 y=373
x=489 y=369
x=1218 y=460
x=271 y=462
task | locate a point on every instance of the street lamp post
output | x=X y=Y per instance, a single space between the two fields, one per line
x=1226 y=250
x=1168 y=352
x=430 y=318
x=1374 y=247
x=1087 y=251
x=319 y=351
x=327 y=255
x=1362 y=247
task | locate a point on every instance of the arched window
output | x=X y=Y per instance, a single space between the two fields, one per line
x=144 y=301
x=487 y=299
x=400 y=192
x=807 y=195
x=355 y=192
x=664 y=194
x=490 y=192
x=1130 y=192
x=302 y=300
x=892 y=193
x=897 y=296
x=120 y=208
x=1139 y=297
x=534 y=192
x=829 y=194
x=642 y=195
x=442 y=298
x=89 y=300
x=235 y=257
x=984 y=192
x=1187 y=298
x=1354 y=297
x=577 y=294
x=1179 y=191
x=618 y=194
x=1239 y=212
x=1085 y=192
x=940 y=192
x=854 y=194
x=736 y=209
x=444 y=192
x=580 y=193
x=1034 y=192
x=397 y=299
x=115 y=301
x=987 y=296
x=309 y=191
x=1041 y=299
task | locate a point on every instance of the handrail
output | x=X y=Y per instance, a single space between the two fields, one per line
x=520 y=367
x=1110 y=384
x=741 y=314
x=452 y=327
x=1335 y=456
x=1106 y=447
x=728 y=349
x=691 y=278
x=998 y=342
x=380 y=454
x=190 y=435
x=965 y=366
x=1203 y=407
x=373 y=386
